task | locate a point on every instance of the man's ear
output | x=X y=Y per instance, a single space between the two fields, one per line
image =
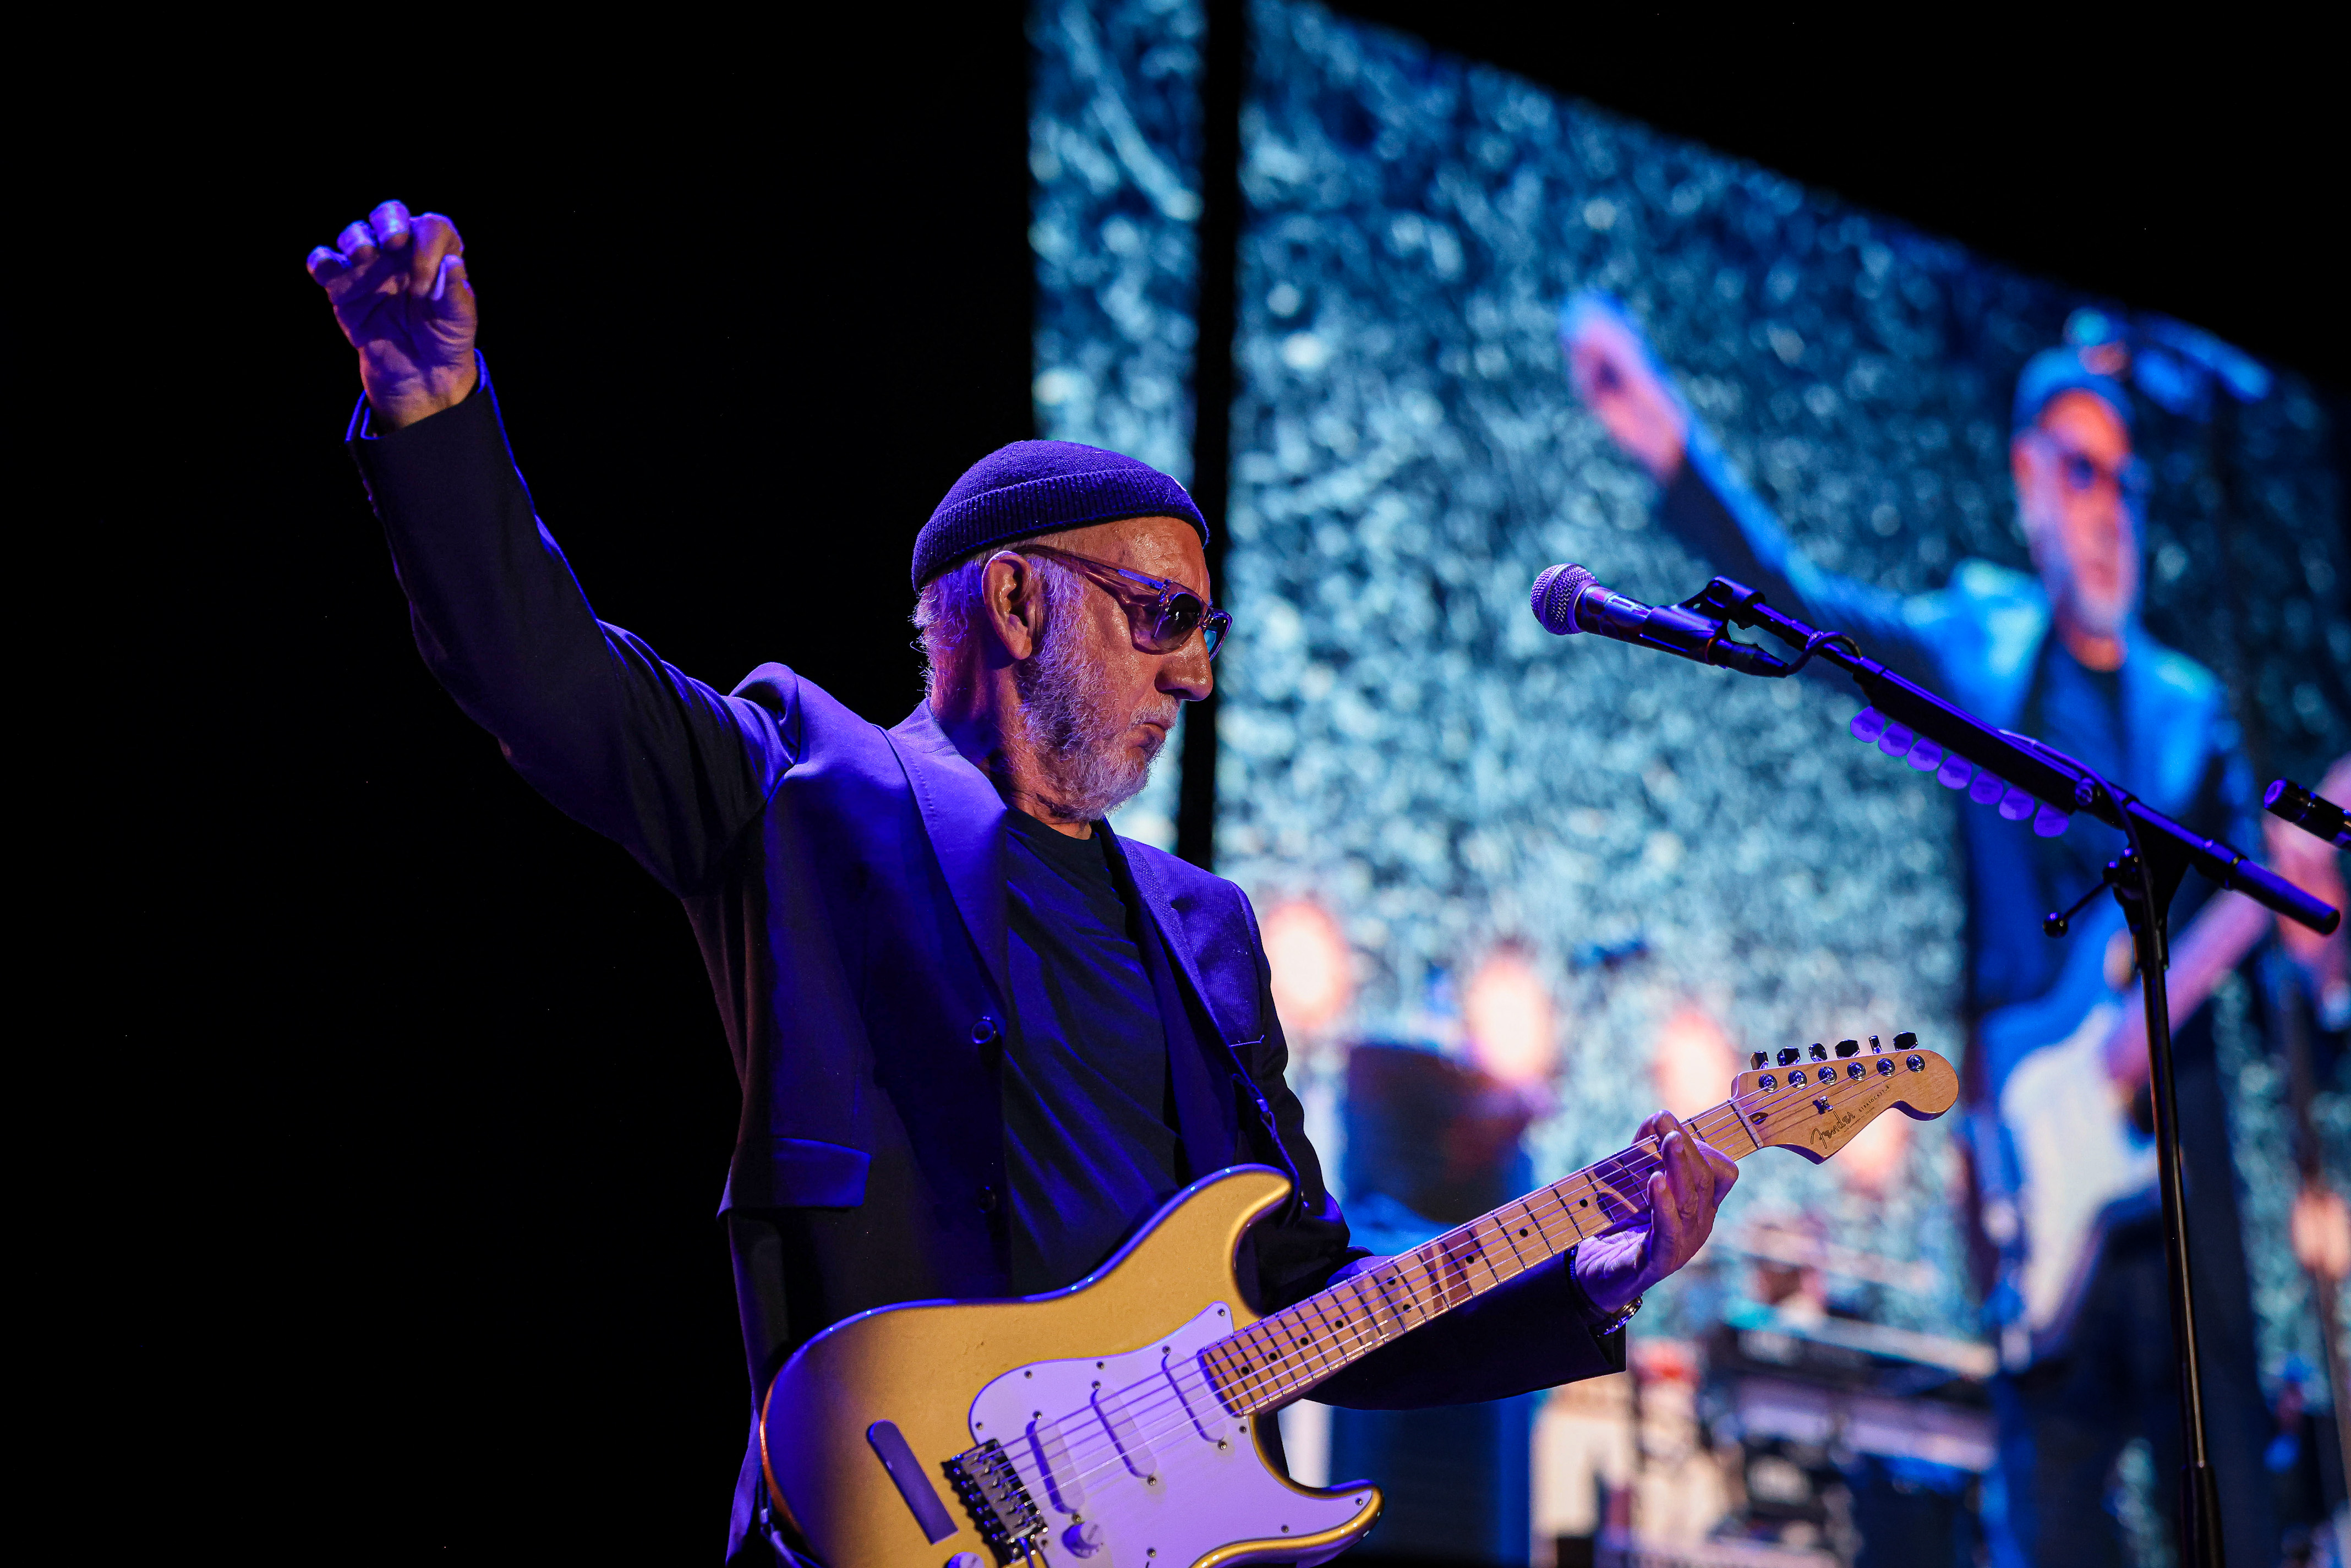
x=1012 y=606
x=2024 y=470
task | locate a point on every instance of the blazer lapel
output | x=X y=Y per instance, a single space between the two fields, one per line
x=1206 y=1110
x=965 y=819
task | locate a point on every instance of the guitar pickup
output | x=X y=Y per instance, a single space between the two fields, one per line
x=1126 y=1435
x=1052 y=1457
x=1198 y=1402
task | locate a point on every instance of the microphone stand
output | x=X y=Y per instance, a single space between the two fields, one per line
x=2042 y=782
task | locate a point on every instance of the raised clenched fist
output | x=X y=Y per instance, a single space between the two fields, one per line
x=399 y=287
x=1613 y=373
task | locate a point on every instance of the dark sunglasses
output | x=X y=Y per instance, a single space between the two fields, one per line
x=1164 y=623
x=2084 y=474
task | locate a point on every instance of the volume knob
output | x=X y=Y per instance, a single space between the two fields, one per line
x=1083 y=1538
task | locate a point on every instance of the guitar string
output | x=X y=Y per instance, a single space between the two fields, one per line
x=1267 y=1379
x=1100 y=1435
x=1356 y=1335
x=1207 y=1392
x=1270 y=1379
x=1637 y=1161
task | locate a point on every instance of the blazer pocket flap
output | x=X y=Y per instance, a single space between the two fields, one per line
x=795 y=1173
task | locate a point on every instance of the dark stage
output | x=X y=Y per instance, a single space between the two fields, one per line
x=408 y=1108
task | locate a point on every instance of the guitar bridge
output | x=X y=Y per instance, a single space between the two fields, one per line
x=997 y=1500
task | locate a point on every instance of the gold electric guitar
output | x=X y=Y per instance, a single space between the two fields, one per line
x=1116 y=1423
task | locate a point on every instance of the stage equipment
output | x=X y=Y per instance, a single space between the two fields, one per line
x=1113 y=1422
x=2026 y=778
x=2312 y=814
x=1568 y=600
x=1852 y=1428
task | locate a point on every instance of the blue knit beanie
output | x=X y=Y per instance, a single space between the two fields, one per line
x=2054 y=370
x=1033 y=487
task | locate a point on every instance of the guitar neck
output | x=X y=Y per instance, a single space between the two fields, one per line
x=1279 y=1357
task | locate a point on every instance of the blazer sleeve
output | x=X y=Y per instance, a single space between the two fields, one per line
x=670 y=768
x=1711 y=510
x=1530 y=1333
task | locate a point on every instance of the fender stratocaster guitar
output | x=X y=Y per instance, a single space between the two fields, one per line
x=1116 y=1423
x=2081 y=1164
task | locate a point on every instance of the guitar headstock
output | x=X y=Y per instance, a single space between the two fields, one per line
x=1816 y=1099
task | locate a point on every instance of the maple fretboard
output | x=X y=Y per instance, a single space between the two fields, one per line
x=1281 y=1355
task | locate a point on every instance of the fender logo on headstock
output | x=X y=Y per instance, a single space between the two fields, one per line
x=1815 y=1104
x=1826 y=1138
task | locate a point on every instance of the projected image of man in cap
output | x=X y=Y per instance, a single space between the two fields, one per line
x=2078 y=493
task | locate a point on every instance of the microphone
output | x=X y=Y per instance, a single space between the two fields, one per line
x=1568 y=599
x=2314 y=814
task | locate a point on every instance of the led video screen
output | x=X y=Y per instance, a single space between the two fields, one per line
x=1599 y=875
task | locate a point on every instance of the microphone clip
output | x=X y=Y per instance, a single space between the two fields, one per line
x=1727 y=599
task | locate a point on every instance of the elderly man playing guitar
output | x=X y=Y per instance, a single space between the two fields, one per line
x=982 y=1040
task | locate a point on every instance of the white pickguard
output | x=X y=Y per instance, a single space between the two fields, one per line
x=2078 y=1157
x=1151 y=1461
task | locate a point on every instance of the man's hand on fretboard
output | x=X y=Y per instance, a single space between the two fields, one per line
x=1685 y=1193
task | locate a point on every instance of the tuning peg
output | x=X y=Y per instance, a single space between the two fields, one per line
x=1848 y=1048
x=1790 y=1054
x=1906 y=1040
x=1819 y=1051
x=1875 y=1045
x=1758 y=1059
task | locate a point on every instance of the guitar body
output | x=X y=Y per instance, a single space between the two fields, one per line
x=1110 y=1439
x=2080 y=1164
x=1121 y=1423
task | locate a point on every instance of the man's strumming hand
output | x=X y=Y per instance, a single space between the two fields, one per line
x=1619 y=1265
x=401 y=294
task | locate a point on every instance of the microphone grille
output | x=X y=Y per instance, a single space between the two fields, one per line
x=1555 y=595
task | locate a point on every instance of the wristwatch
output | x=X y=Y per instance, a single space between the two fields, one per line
x=1602 y=1323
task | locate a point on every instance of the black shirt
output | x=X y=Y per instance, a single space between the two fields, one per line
x=2079 y=711
x=1091 y=1147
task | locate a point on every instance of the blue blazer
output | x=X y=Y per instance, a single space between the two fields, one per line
x=1979 y=638
x=847 y=885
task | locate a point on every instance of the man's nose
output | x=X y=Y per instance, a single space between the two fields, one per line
x=1186 y=672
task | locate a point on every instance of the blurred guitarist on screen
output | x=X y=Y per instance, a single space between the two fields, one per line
x=2067 y=1201
x=981 y=1039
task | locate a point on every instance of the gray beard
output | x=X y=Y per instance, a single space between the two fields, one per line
x=1077 y=742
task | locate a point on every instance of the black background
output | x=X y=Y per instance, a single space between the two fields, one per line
x=396 y=1108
